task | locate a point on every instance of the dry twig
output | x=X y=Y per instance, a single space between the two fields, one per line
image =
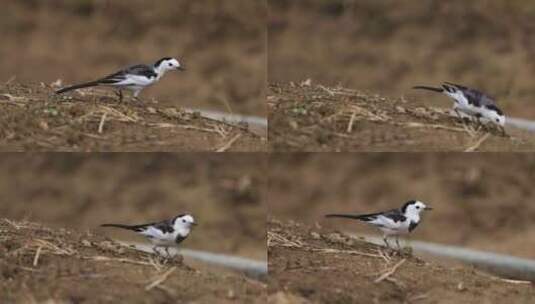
x=278 y=239
x=351 y=121
x=120 y=260
x=160 y=279
x=36 y=257
x=101 y=124
x=229 y=144
x=477 y=144
x=389 y=272
x=350 y=252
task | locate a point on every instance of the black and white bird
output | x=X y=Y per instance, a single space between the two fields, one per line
x=471 y=102
x=392 y=222
x=167 y=233
x=134 y=78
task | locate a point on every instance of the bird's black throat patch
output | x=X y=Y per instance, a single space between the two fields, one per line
x=412 y=226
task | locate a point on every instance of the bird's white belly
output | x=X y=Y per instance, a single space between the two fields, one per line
x=391 y=227
x=389 y=231
x=157 y=237
x=466 y=109
x=136 y=81
x=162 y=243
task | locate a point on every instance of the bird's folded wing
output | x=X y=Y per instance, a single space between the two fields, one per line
x=141 y=70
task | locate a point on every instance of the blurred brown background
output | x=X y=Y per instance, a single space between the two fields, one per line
x=482 y=201
x=222 y=44
x=81 y=191
x=388 y=46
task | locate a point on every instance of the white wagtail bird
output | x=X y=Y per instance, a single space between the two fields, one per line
x=392 y=222
x=471 y=102
x=134 y=78
x=167 y=233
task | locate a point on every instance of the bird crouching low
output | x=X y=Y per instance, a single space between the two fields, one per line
x=476 y=104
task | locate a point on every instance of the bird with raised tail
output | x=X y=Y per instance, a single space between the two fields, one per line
x=134 y=78
x=167 y=233
x=393 y=222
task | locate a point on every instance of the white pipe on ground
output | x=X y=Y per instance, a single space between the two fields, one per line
x=257 y=125
x=251 y=268
x=500 y=264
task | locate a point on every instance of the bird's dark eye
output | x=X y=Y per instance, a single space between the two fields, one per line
x=417 y=207
x=170 y=64
x=183 y=221
x=497 y=120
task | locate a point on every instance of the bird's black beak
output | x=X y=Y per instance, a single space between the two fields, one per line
x=181 y=68
x=193 y=224
x=428 y=208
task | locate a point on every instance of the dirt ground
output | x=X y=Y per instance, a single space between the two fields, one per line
x=315 y=118
x=311 y=265
x=388 y=46
x=35 y=119
x=222 y=45
x=39 y=264
x=481 y=201
x=70 y=195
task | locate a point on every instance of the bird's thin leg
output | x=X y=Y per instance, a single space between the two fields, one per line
x=462 y=119
x=167 y=251
x=386 y=241
x=136 y=97
x=155 y=249
x=119 y=93
x=478 y=123
x=479 y=119
x=458 y=114
x=502 y=128
x=397 y=242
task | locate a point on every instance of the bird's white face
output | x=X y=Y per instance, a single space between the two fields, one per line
x=415 y=208
x=171 y=64
x=496 y=118
x=186 y=221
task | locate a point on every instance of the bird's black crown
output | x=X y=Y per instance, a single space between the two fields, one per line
x=406 y=205
x=157 y=64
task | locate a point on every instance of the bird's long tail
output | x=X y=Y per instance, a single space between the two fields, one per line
x=128 y=227
x=79 y=86
x=361 y=217
x=439 y=90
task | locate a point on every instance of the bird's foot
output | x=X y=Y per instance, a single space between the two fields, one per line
x=388 y=252
x=405 y=252
x=138 y=102
x=178 y=259
x=119 y=94
x=161 y=256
